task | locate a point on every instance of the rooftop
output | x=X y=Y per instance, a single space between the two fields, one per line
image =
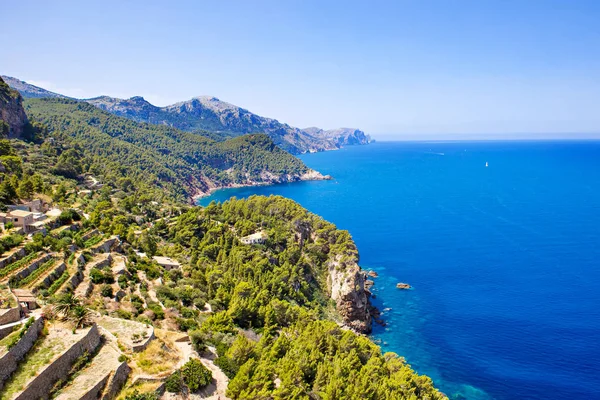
x=20 y=213
x=256 y=235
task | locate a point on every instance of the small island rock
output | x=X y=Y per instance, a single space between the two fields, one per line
x=402 y=285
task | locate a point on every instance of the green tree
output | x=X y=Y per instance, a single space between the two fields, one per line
x=80 y=316
x=195 y=375
x=66 y=303
x=26 y=188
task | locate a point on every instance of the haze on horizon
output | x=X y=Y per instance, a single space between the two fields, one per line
x=395 y=69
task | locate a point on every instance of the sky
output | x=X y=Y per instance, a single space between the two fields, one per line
x=395 y=69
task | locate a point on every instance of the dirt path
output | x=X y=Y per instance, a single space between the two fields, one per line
x=216 y=390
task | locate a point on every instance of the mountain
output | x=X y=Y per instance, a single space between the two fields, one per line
x=161 y=160
x=341 y=136
x=213 y=118
x=13 y=121
x=28 y=90
x=224 y=120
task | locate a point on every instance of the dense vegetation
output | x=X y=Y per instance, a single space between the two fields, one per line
x=153 y=158
x=277 y=290
x=319 y=360
x=263 y=286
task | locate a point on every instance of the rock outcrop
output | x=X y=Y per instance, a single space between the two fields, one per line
x=346 y=282
x=341 y=136
x=13 y=120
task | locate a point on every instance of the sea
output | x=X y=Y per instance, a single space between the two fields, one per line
x=500 y=242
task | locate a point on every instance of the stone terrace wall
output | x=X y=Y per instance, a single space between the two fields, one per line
x=89 y=234
x=94 y=392
x=75 y=280
x=7 y=330
x=10 y=361
x=32 y=267
x=142 y=346
x=116 y=382
x=10 y=315
x=104 y=246
x=40 y=386
x=20 y=253
x=58 y=271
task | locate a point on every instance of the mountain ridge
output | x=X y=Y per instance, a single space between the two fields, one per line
x=209 y=116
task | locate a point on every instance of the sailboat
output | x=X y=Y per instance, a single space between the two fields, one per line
x=486 y=163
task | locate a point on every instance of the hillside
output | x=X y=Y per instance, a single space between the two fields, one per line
x=28 y=90
x=111 y=287
x=211 y=117
x=160 y=159
x=13 y=121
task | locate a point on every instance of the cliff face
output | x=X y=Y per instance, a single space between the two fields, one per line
x=341 y=136
x=11 y=112
x=346 y=282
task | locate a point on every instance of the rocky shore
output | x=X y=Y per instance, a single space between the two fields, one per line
x=205 y=187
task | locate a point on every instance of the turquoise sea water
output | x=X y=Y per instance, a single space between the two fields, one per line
x=504 y=259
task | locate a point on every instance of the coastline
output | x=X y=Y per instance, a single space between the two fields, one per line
x=311 y=175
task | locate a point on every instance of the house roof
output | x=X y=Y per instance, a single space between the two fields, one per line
x=20 y=213
x=256 y=235
x=23 y=295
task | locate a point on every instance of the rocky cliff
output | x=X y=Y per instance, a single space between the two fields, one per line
x=341 y=136
x=13 y=120
x=346 y=283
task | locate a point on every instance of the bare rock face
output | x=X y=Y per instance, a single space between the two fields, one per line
x=346 y=282
x=11 y=112
x=341 y=136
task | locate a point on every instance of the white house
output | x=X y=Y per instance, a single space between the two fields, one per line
x=20 y=218
x=256 y=238
x=167 y=262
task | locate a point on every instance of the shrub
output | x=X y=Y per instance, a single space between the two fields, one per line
x=68 y=216
x=173 y=382
x=227 y=365
x=106 y=291
x=142 y=396
x=98 y=276
x=198 y=340
x=195 y=375
x=124 y=314
x=157 y=310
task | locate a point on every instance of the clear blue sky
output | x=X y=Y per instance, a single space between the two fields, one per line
x=401 y=67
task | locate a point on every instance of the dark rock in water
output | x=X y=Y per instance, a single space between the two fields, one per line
x=369 y=283
x=403 y=285
x=373 y=274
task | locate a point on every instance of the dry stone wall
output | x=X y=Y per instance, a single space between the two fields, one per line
x=40 y=386
x=10 y=360
x=116 y=381
x=11 y=258
x=32 y=267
